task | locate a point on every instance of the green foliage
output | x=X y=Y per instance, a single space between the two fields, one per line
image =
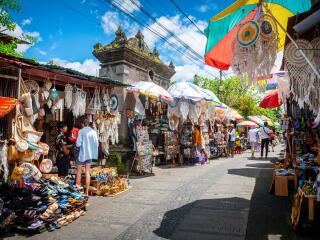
x=7 y=23
x=172 y=82
x=114 y=160
x=243 y=99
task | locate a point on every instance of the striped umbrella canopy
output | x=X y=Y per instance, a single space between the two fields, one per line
x=7 y=105
x=247 y=124
x=223 y=27
x=256 y=120
x=150 y=89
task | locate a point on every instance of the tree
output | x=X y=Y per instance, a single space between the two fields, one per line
x=7 y=23
x=243 y=99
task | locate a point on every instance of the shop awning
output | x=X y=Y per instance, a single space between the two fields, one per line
x=150 y=89
x=189 y=91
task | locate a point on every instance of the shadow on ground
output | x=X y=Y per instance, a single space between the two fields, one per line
x=206 y=219
x=269 y=215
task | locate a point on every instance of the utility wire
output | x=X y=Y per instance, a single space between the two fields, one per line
x=186 y=15
x=178 y=39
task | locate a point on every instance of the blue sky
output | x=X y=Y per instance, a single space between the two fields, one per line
x=68 y=29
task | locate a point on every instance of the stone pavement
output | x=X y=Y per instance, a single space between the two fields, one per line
x=188 y=202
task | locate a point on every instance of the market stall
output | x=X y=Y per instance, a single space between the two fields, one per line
x=155 y=139
x=32 y=196
x=192 y=106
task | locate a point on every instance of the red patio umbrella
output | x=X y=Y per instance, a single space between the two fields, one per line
x=271 y=100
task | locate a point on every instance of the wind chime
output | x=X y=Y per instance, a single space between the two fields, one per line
x=255 y=49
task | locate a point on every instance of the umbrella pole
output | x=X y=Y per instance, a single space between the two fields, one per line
x=294 y=43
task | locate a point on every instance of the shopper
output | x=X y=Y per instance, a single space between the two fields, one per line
x=63 y=150
x=88 y=143
x=197 y=141
x=231 y=140
x=265 y=138
x=253 y=136
x=271 y=137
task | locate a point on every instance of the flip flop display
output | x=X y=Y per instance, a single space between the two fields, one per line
x=39 y=206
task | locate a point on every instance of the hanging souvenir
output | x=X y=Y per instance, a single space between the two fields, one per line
x=48 y=85
x=268 y=27
x=54 y=95
x=95 y=103
x=32 y=86
x=248 y=33
x=68 y=96
x=293 y=55
x=146 y=106
x=184 y=110
x=105 y=100
x=114 y=102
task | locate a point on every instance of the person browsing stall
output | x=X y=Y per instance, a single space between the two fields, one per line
x=265 y=138
x=63 y=150
x=253 y=136
x=88 y=143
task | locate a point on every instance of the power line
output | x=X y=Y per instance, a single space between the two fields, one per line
x=179 y=40
x=186 y=15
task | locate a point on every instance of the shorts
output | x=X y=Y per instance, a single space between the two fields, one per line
x=253 y=145
x=231 y=145
x=79 y=163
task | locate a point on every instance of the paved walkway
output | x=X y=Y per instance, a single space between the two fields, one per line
x=198 y=202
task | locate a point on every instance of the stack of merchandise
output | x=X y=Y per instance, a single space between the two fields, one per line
x=171 y=145
x=158 y=126
x=36 y=206
x=144 y=151
x=107 y=182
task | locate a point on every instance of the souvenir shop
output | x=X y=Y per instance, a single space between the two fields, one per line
x=192 y=106
x=154 y=140
x=34 y=97
x=301 y=124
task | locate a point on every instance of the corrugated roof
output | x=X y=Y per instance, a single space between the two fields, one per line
x=60 y=70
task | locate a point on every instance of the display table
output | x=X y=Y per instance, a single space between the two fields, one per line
x=311 y=202
x=280 y=184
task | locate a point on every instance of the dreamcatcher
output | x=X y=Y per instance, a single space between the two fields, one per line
x=184 y=110
x=95 y=102
x=255 y=49
x=78 y=105
x=299 y=70
x=68 y=96
x=105 y=99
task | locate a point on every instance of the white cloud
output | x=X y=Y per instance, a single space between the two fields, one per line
x=43 y=53
x=53 y=46
x=26 y=21
x=127 y=5
x=89 y=66
x=18 y=32
x=110 y=22
x=207 y=6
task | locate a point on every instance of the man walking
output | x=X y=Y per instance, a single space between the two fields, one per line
x=253 y=139
x=88 y=143
x=265 y=138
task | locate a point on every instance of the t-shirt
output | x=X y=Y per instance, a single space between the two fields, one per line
x=232 y=135
x=88 y=143
x=253 y=135
x=265 y=131
x=60 y=141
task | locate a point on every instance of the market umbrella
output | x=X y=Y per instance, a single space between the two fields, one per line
x=189 y=91
x=214 y=97
x=233 y=114
x=247 y=124
x=256 y=120
x=271 y=100
x=150 y=89
x=7 y=105
x=222 y=28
